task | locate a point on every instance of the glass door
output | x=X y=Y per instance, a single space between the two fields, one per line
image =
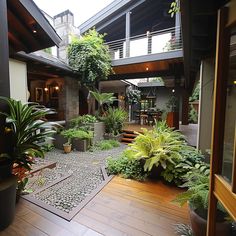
x=223 y=162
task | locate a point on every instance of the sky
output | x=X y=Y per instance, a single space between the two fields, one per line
x=82 y=9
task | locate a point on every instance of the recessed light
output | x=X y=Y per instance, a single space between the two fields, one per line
x=147 y=68
x=173 y=90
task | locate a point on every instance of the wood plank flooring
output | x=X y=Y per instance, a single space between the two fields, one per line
x=123 y=207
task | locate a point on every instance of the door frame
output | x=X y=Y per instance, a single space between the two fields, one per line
x=220 y=189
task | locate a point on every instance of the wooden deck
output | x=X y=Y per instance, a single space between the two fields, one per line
x=123 y=207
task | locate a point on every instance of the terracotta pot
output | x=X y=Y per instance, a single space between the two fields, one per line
x=199 y=225
x=67 y=148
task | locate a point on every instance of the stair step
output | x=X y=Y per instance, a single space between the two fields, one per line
x=129 y=135
x=128 y=131
x=128 y=140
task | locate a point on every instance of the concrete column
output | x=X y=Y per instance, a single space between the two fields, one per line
x=127 y=34
x=207 y=74
x=71 y=96
x=185 y=107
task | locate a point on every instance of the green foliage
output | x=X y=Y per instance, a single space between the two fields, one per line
x=126 y=166
x=76 y=133
x=172 y=104
x=114 y=120
x=103 y=98
x=196 y=92
x=183 y=230
x=133 y=96
x=197 y=182
x=84 y=120
x=192 y=116
x=107 y=144
x=47 y=147
x=48 y=50
x=175 y=173
x=174 y=8
x=90 y=57
x=23 y=123
x=161 y=146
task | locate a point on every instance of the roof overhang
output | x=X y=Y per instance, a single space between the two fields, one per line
x=199 y=24
x=28 y=29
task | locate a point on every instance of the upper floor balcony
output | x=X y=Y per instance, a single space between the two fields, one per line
x=152 y=46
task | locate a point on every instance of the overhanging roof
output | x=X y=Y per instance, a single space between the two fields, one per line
x=146 y=15
x=28 y=29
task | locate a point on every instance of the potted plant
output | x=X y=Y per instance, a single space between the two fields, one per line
x=197 y=184
x=23 y=123
x=89 y=123
x=172 y=118
x=114 y=120
x=68 y=135
x=82 y=139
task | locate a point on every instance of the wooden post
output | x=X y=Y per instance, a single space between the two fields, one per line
x=185 y=107
x=4 y=68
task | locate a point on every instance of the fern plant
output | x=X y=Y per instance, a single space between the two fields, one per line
x=158 y=147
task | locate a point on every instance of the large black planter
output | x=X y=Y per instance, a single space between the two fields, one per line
x=7 y=201
x=5 y=170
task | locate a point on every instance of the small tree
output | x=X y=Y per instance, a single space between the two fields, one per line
x=90 y=57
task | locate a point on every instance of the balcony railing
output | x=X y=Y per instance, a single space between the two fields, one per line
x=150 y=43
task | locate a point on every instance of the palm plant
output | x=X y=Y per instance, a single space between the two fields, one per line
x=114 y=120
x=26 y=130
x=103 y=98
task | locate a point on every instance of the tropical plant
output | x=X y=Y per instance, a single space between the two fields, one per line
x=108 y=144
x=47 y=147
x=196 y=92
x=174 y=8
x=103 y=98
x=76 y=133
x=172 y=104
x=175 y=173
x=133 y=96
x=114 y=120
x=161 y=147
x=84 y=120
x=126 y=166
x=90 y=57
x=197 y=182
x=192 y=115
x=23 y=123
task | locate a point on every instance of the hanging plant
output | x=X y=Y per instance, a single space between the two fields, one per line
x=133 y=96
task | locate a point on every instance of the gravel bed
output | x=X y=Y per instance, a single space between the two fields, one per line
x=86 y=175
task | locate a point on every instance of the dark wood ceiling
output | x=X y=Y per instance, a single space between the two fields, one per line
x=24 y=31
x=151 y=15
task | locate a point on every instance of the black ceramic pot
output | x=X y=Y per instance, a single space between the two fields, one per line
x=5 y=170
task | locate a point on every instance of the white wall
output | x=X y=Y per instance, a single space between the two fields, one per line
x=207 y=75
x=18 y=80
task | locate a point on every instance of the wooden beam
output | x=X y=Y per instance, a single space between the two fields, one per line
x=4 y=78
x=16 y=25
x=4 y=51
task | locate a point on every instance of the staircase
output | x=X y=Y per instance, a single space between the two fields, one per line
x=128 y=136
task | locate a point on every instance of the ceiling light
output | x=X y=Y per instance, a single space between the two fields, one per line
x=147 y=68
x=173 y=90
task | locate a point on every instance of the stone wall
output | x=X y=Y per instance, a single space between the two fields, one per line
x=70 y=101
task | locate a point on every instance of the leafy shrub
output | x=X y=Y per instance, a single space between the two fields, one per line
x=76 y=133
x=82 y=121
x=47 y=147
x=192 y=116
x=158 y=147
x=114 y=120
x=105 y=145
x=133 y=96
x=175 y=173
x=126 y=166
x=90 y=57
